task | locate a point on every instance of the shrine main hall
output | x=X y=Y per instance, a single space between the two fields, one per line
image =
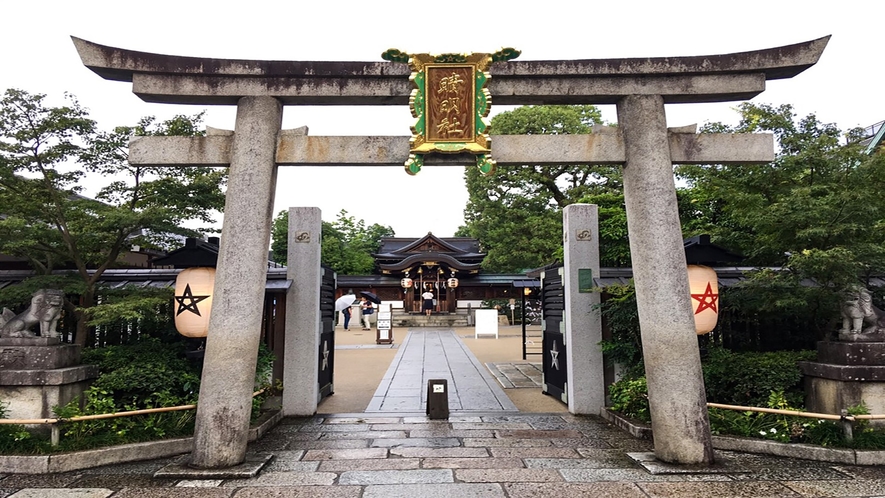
x=449 y=267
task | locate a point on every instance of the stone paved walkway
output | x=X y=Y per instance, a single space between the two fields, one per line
x=496 y=453
x=481 y=455
x=437 y=353
x=517 y=374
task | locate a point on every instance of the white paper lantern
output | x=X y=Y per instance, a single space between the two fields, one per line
x=405 y=283
x=704 y=288
x=452 y=283
x=193 y=301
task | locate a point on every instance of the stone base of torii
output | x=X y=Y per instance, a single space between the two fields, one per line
x=641 y=143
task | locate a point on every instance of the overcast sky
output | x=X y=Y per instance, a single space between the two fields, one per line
x=38 y=56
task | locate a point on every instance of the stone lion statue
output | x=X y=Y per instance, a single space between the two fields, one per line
x=859 y=315
x=45 y=310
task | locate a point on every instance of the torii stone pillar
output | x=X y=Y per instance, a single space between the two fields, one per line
x=222 y=425
x=676 y=396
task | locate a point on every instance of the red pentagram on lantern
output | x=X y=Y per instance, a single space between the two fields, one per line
x=706 y=300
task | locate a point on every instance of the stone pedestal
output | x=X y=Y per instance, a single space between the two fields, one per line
x=39 y=373
x=846 y=374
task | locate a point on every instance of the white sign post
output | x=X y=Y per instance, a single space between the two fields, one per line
x=486 y=323
x=384 y=326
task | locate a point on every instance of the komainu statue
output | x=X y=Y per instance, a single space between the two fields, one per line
x=859 y=315
x=45 y=310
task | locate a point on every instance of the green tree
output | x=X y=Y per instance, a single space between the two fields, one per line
x=347 y=243
x=47 y=154
x=817 y=209
x=816 y=213
x=516 y=214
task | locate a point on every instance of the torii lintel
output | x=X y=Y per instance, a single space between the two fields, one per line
x=207 y=81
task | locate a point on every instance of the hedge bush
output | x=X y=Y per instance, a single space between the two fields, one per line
x=148 y=374
x=745 y=379
x=748 y=379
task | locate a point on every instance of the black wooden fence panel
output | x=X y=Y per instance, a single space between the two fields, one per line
x=554 y=365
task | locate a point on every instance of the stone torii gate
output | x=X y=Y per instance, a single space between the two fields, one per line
x=641 y=143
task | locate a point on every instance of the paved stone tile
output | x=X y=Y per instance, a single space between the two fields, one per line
x=123 y=481
x=518 y=374
x=756 y=489
x=370 y=464
x=363 y=420
x=452 y=433
x=536 y=421
x=144 y=467
x=284 y=479
x=600 y=453
x=292 y=455
x=612 y=462
x=63 y=493
x=472 y=463
x=292 y=433
x=506 y=443
x=268 y=444
x=330 y=436
x=628 y=444
x=721 y=465
x=401 y=405
x=360 y=477
x=791 y=472
x=636 y=475
x=574 y=490
x=176 y=492
x=592 y=428
x=508 y=475
x=303 y=420
x=335 y=428
x=199 y=483
x=472 y=419
x=290 y=465
x=873 y=487
x=328 y=444
x=862 y=472
x=20 y=481
x=434 y=442
x=545 y=452
x=533 y=433
x=439 y=452
x=353 y=454
x=492 y=425
x=410 y=392
x=300 y=492
x=435 y=491
x=599 y=444
x=425 y=425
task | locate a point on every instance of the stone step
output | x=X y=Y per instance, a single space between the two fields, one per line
x=453 y=320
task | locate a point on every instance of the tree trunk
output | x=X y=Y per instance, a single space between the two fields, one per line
x=87 y=300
